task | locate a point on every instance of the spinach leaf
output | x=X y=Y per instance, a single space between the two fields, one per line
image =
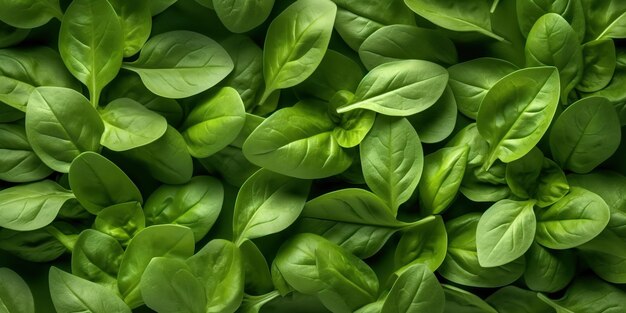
x=505 y=232
x=470 y=81
x=552 y=41
x=298 y=142
x=355 y=219
x=19 y=162
x=443 y=174
x=392 y=160
x=99 y=183
x=180 y=64
x=91 y=44
x=405 y=42
x=15 y=296
x=594 y=139
x=128 y=125
x=399 y=88
x=424 y=243
x=32 y=206
x=242 y=16
x=215 y=123
x=29 y=13
x=267 y=203
x=23 y=70
x=575 y=219
x=85 y=295
x=458 y=16
x=195 y=204
x=526 y=97
x=52 y=130
x=295 y=44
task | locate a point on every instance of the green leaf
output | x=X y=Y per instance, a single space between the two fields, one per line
x=214 y=123
x=589 y=295
x=267 y=203
x=461 y=16
x=405 y=42
x=298 y=142
x=416 y=290
x=23 y=70
x=471 y=80
x=219 y=266
x=553 y=42
x=195 y=204
x=459 y=300
x=350 y=282
x=29 y=13
x=400 y=88
x=180 y=64
x=437 y=122
x=32 y=206
x=511 y=299
x=442 y=177
x=355 y=219
x=168 y=285
x=128 y=125
x=96 y=257
x=166 y=159
x=357 y=20
x=549 y=270
x=522 y=174
x=295 y=43
x=52 y=130
x=121 y=221
x=605 y=19
x=425 y=243
x=461 y=264
x=527 y=97
x=585 y=134
x=599 y=62
x=575 y=219
x=15 y=296
x=172 y=241
x=324 y=83
x=247 y=75
x=136 y=22
x=240 y=16
x=392 y=160
x=505 y=232
x=91 y=44
x=130 y=86
x=74 y=294
x=99 y=183
x=19 y=161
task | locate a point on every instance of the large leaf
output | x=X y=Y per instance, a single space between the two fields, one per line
x=295 y=43
x=400 y=88
x=267 y=203
x=505 y=231
x=517 y=111
x=575 y=219
x=31 y=206
x=53 y=130
x=585 y=134
x=74 y=294
x=298 y=141
x=91 y=43
x=464 y=16
x=23 y=70
x=392 y=160
x=99 y=183
x=180 y=64
x=128 y=125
